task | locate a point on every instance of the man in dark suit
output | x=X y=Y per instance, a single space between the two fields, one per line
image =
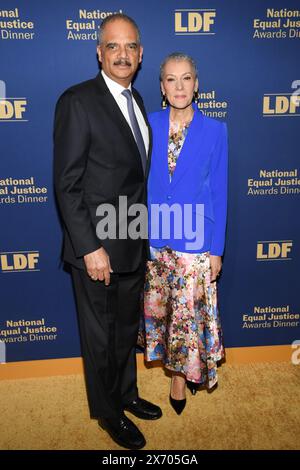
x=102 y=143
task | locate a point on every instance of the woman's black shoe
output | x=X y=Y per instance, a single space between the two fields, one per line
x=178 y=405
x=193 y=387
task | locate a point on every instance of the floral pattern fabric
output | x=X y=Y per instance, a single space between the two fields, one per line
x=177 y=135
x=182 y=324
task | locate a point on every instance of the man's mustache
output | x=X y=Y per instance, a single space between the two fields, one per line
x=123 y=62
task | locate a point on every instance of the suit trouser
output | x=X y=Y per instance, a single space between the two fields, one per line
x=109 y=321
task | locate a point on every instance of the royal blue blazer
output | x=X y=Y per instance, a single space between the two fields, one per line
x=200 y=177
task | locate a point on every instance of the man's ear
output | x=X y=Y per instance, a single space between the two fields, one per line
x=99 y=53
x=141 y=54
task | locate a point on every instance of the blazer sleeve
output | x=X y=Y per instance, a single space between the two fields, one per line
x=219 y=176
x=71 y=149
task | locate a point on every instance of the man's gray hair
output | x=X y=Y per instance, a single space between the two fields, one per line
x=114 y=17
x=178 y=56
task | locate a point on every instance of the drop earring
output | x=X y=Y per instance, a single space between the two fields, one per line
x=196 y=99
x=164 y=103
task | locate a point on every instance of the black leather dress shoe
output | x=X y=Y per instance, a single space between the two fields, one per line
x=124 y=432
x=143 y=409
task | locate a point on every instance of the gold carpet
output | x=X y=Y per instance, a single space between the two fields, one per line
x=256 y=406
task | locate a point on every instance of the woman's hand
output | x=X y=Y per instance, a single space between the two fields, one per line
x=215 y=267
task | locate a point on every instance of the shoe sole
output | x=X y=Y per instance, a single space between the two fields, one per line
x=120 y=442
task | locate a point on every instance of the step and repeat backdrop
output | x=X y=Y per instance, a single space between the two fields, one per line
x=249 y=74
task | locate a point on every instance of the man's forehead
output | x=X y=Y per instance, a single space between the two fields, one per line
x=120 y=30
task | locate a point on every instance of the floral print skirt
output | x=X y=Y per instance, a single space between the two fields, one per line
x=182 y=324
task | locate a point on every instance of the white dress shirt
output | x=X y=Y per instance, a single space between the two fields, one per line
x=116 y=90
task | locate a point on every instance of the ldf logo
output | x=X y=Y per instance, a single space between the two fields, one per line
x=19 y=261
x=196 y=21
x=274 y=250
x=12 y=109
x=281 y=104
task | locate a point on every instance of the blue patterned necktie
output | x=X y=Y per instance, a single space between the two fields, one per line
x=136 y=128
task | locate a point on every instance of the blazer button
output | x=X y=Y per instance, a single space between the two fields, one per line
x=169 y=197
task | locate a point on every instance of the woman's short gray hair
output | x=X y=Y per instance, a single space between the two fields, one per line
x=178 y=56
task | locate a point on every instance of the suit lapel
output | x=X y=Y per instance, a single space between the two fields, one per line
x=187 y=153
x=113 y=111
x=160 y=147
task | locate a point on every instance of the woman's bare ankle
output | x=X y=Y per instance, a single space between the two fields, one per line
x=178 y=386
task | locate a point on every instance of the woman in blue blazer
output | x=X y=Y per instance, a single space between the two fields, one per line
x=187 y=199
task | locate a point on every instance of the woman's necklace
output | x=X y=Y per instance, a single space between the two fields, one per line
x=177 y=125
